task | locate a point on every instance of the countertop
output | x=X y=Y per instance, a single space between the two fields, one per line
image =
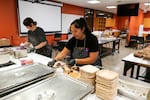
x=44 y=60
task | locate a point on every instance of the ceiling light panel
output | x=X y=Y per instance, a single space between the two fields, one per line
x=111 y=7
x=93 y=1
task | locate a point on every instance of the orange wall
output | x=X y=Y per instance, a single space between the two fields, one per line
x=135 y=22
x=9 y=26
x=121 y=21
x=71 y=9
x=9 y=21
x=147 y=15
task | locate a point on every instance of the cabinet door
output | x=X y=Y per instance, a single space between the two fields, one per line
x=110 y=22
x=146 y=22
x=100 y=24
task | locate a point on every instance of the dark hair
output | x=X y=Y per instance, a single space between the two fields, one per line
x=81 y=23
x=29 y=21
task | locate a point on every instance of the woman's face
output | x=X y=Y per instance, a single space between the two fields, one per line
x=29 y=28
x=77 y=32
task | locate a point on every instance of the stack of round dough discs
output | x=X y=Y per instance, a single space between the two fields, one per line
x=106 y=84
x=88 y=74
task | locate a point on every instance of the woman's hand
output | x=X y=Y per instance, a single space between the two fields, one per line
x=51 y=63
x=71 y=62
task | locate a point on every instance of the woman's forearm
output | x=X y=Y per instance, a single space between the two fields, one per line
x=89 y=60
x=42 y=44
x=62 y=54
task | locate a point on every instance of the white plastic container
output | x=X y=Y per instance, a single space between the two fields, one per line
x=4 y=57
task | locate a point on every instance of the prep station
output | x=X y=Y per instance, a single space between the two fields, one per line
x=37 y=81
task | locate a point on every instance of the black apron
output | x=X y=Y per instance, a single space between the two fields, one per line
x=82 y=52
x=46 y=51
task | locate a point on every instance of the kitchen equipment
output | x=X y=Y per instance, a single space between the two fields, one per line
x=20 y=53
x=59 y=87
x=4 y=56
x=132 y=88
x=11 y=80
x=7 y=64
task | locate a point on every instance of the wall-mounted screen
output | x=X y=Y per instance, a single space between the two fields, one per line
x=47 y=16
x=128 y=9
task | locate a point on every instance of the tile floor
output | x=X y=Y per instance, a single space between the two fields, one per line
x=115 y=63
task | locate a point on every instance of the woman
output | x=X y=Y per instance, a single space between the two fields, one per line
x=83 y=46
x=37 y=38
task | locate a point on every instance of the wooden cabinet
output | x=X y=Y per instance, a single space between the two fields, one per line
x=110 y=22
x=100 y=24
x=103 y=23
x=146 y=22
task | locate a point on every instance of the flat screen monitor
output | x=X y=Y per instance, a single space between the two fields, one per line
x=128 y=9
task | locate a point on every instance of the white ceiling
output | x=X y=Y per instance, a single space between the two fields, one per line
x=104 y=3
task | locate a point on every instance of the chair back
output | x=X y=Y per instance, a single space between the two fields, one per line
x=140 y=40
x=133 y=38
x=148 y=37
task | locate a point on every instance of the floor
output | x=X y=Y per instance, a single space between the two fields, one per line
x=114 y=62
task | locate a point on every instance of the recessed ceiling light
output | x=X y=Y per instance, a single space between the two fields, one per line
x=100 y=13
x=93 y=1
x=111 y=7
x=146 y=4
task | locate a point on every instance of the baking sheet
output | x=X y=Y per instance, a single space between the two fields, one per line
x=10 y=79
x=60 y=87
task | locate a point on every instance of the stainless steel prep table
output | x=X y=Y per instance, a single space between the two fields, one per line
x=35 y=57
x=22 y=76
x=66 y=88
x=59 y=87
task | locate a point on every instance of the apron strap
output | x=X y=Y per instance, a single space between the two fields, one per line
x=84 y=42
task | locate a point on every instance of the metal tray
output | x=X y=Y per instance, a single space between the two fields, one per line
x=60 y=87
x=18 y=77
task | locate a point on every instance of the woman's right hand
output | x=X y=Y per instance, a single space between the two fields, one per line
x=51 y=63
x=26 y=44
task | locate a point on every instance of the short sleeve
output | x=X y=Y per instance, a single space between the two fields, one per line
x=71 y=44
x=42 y=36
x=93 y=44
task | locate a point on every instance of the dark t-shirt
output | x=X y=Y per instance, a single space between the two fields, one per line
x=91 y=43
x=37 y=36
